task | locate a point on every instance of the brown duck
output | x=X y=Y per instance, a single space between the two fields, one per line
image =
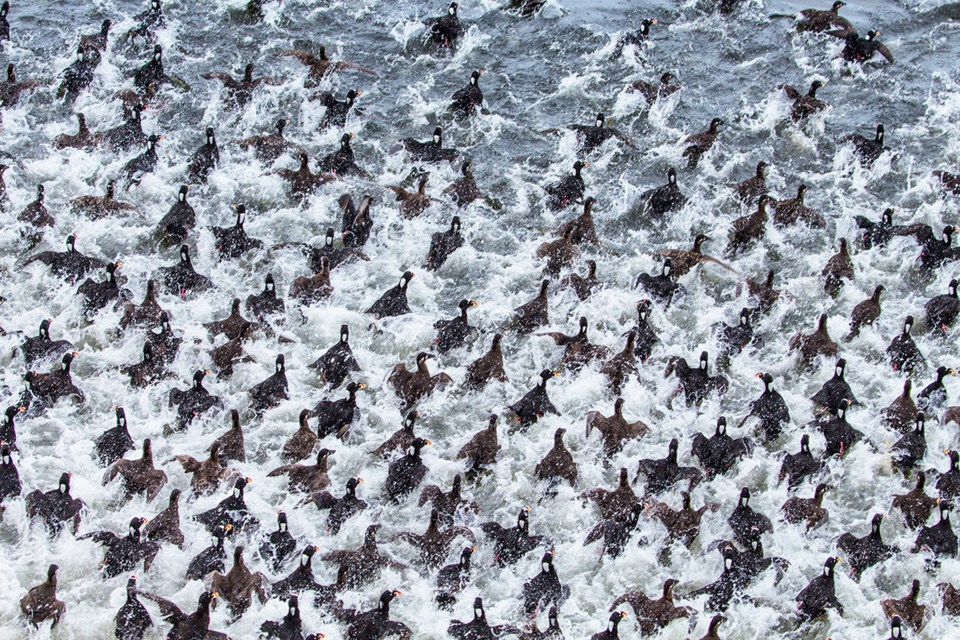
x=684 y=523
x=448 y=503
x=231 y=443
x=793 y=210
x=306 y=477
x=558 y=463
x=838 y=268
x=763 y=292
x=584 y=229
x=866 y=312
x=165 y=526
x=487 y=367
x=684 y=260
x=207 y=474
x=271 y=146
x=559 y=253
x=413 y=203
x=434 y=543
x=615 y=429
x=653 y=615
x=809 y=510
x=583 y=286
x=483 y=447
x=949 y=598
x=82 y=139
x=303 y=441
x=99 y=207
x=622 y=365
x=534 y=313
x=907 y=607
x=313 y=288
x=364 y=563
x=699 y=143
x=238 y=585
x=303 y=182
x=750 y=228
x=230 y=353
x=902 y=412
x=614 y=504
x=916 y=505
x=815 y=344
x=145 y=314
x=318 y=65
x=41 y=604
x=140 y=476
x=752 y=188
x=233 y=325
x=411 y=386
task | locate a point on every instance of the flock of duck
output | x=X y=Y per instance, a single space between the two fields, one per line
x=253 y=558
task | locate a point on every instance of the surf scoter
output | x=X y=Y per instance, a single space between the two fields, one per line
x=864 y=552
x=662 y=286
x=138 y=476
x=663 y=473
x=40 y=603
x=938 y=539
x=55 y=507
x=836 y=391
x=653 y=615
x=568 y=190
x=467 y=100
x=512 y=544
x=444 y=31
x=903 y=352
x=193 y=401
x=615 y=429
x=133 y=619
x=318 y=65
x=745 y=521
x=796 y=467
x=279 y=544
x=804 y=105
x=916 y=505
x=535 y=404
x=699 y=143
x=794 y=210
x=68 y=264
x=165 y=526
x=453 y=578
x=240 y=91
x=483 y=447
x=124 y=553
x=696 y=383
x=341 y=509
x=857 y=49
x=719 y=452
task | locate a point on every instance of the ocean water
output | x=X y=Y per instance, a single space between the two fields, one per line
x=541 y=74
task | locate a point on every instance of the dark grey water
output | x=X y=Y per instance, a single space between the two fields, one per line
x=541 y=74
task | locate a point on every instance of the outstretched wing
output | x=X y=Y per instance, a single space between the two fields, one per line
x=168 y=611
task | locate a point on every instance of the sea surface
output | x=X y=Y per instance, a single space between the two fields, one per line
x=540 y=75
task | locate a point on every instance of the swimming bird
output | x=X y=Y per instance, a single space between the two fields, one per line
x=615 y=429
x=662 y=473
x=453 y=578
x=867 y=551
x=430 y=151
x=698 y=144
x=49 y=387
x=240 y=91
x=820 y=594
x=906 y=608
x=10 y=483
x=591 y=137
x=483 y=446
x=938 y=539
x=533 y=314
x=535 y=404
x=364 y=563
x=99 y=207
x=337 y=416
x=193 y=401
x=278 y=546
x=653 y=91
x=138 y=476
x=238 y=585
x=916 y=505
x=839 y=268
x=838 y=433
x=745 y=521
x=748 y=229
x=341 y=509
x=719 y=452
x=809 y=510
x=267 y=302
x=511 y=544
x=270 y=147
x=308 y=478
x=796 y=467
x=337 y=110
x=412 y=386
x=866 y=312
x=124 y=553
x=393 y=302
x=187 y=625
x=205 y=159
x=206 y=475
x=318 y=65
x=654 y=614
x=142 y=164
x=82 y=139
x=40 y=602
x=68 y=264
x=821 y=20
x=793 y=210
x=634 y=38
x=413 y=203
x=444 y=31
x=857 y=49
x=866 y=150
x=433 y=544
x=464 y=190
x=56 y=507
x=695 y=383
x=612 y=630
x=667 y=198
x=406 y=473
x=567 y=190
x=814 y=344
x=942 y=310
x=76 y=77
x=132 y=619
x=467 y=100
x=338 y=361
x=804 y=105
x=165 y=526
x=684 y=260
x=443 y=244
